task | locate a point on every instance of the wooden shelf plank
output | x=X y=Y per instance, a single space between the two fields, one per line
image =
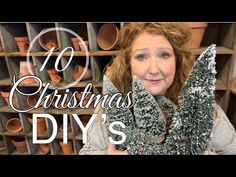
x=7 y=82
x=76 y=53
x=77 y=111
x=219 y=50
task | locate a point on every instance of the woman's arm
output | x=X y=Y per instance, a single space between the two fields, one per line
x=97 y=138
x=223 y=139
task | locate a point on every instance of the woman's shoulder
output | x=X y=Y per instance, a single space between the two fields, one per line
x=223 y=134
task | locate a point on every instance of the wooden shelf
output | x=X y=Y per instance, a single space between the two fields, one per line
x=76 y=53
x=219 y=50
x=78 y=111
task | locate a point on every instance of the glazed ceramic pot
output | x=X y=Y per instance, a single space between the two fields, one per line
x=54 y=75
x=107 y=36
x=22 y=43
x=67 y=149
x=197 y=30
x=49 y=40
x=20 y=144
x=78 y=70
x=14 y=125
x=41 y=125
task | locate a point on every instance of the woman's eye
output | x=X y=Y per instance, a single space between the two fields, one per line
x=141 y=57
x=165 y=55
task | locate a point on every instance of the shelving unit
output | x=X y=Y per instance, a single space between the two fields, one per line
x=222 y=34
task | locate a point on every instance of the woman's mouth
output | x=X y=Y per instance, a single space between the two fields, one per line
x=155 y=81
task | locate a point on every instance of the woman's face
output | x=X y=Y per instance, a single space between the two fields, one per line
x=154 y=62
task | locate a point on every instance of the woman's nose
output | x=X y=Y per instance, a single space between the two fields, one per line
x=153 y=66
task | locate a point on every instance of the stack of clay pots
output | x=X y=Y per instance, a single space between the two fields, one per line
x=79 y=45
x=197 y=30
x=107 y=36
x=41 y=125
x=78 y=70
x=54 y=75
x=22 y=43
x=20 y=144
x=49 y=40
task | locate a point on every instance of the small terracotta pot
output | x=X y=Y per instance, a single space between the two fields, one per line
x=22 y=43
x=24 y=71
x=67 y=149
x=41 y=125
x=54 y=101
x=197 y=30
x=14 y=125
x=107 y=36
x=32 y=100
x=78 y=70
x=82 y=47
x=43 y=149
x=75 y=41
x=20 y=144
x=54 y=75
x=49 y=40
x=5 y=94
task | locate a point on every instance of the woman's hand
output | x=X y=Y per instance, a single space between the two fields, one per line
x=111 y=150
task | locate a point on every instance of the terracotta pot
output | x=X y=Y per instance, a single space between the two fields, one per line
x=54 y=100
x=22 y=43
x=43 y=149
x=24 y=71
x=54 y=75
x=41 y=125
x=32 y=100
x=82 y=47
x=49 y=40
x=75 y=41
x=6 y=93
x=14 y=125
x=197 y=30
x=67 y=149
x=20 y=144
x=78 y=70
x=107 y=36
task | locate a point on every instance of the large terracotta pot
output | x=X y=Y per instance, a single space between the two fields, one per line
x=67 y=149
x=54 y=75
x=14 y=125
x=22 y=43
x=197 y=30
x=49 y=40
x=78 y=70
x=41 y=125
x=107 y=36
x=20 y=144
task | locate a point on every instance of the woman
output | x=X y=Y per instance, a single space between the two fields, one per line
x=157 y=54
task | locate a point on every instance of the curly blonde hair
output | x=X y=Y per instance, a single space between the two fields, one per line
x=178 y=34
